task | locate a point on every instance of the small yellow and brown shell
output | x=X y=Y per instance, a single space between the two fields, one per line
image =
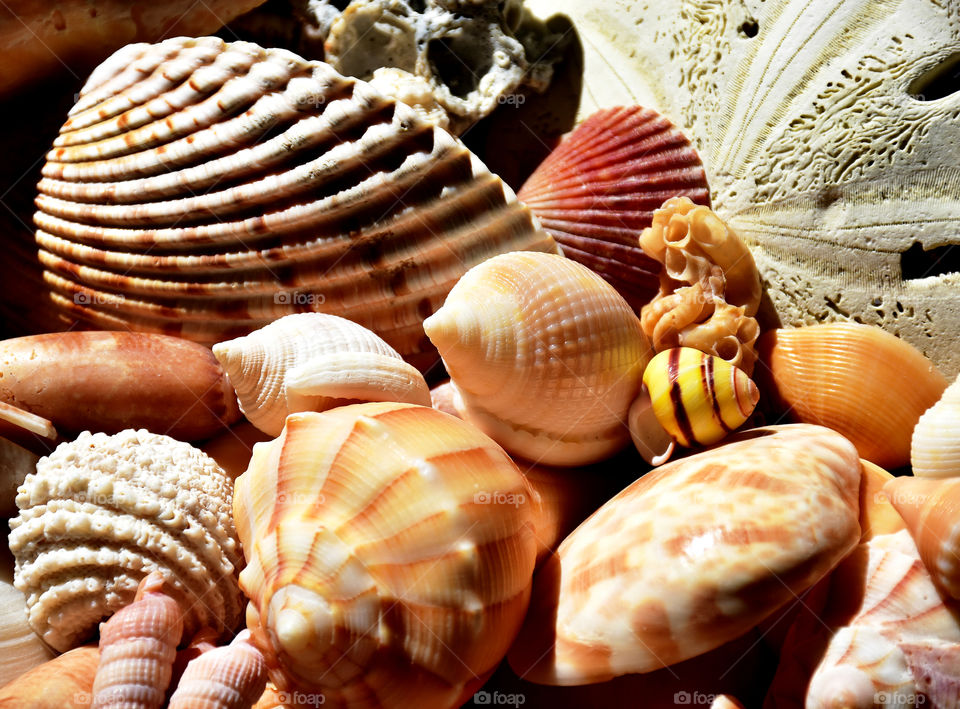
x=314 y=362
x=692 y=555
x=544 y=355
x=390 y=550
x=859 y=380
x=102 y=512
x=935 y=444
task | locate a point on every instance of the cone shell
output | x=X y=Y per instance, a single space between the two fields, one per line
x=692 y=555
x=390 y=551
x=599 y=188
x=935 y=445
x=859 y=380
x=203 y=189
x=314 y=362
x=550 y=363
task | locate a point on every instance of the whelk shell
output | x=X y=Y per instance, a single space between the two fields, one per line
x=692 y=555
x=230 y=677
x=204 y=189
x=862 y=381
x=390 y=553
x=935 y=444
x=314 y=362
x=550 y=363
x=599 y=188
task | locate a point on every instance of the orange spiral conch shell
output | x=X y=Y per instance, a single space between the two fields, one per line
x=544 y=355
x=859 y=380
x=390 y=552
x=229 y=677
x=935 y=444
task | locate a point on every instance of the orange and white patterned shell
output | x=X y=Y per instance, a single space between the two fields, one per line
x=390 y=552
x=935 y=444
x=544 y=355
x=692 y=555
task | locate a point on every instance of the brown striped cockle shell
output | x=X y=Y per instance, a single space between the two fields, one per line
x=709 y=285
x=109 y=381
x=599 y=188
x=102 y=512
x=545 y=357
x=859 y=380
x=204 y=189
x=229 y=677
x=314 y=362
x=390 y=550
x=692 y=555
x=935 y=444
x=138 y=645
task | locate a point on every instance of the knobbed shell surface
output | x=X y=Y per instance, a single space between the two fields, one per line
x=104 y=511
x=204 y=189
x=314 y=362
x=545 y=357
x=390 y=551
x=935 y=444
x=867 y=384
x=692 y=555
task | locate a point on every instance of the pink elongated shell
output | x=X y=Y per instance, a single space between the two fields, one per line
x=599 y=188
x=692 y=555
x=229 y=677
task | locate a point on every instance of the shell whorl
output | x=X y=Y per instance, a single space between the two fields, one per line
x=228 y=677
x=935 y=444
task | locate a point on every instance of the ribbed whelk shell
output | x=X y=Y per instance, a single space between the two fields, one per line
x=102 y=512
x=390 y=551
x=314 y=362
x=205 y=189
x=862 y=381
x=229 y=677
x=692 y=555
x=546 y=357
x=935 y=444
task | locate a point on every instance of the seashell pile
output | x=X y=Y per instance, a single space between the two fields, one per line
x=204 y=189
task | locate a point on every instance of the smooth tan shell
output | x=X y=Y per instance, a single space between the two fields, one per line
x=314 y=362
x=877 y=515
x=935 y=444
x=545 y=357
x=390 y=552
x=20 y=648
x=74 y=672
x=692 y=555
x=857 y=379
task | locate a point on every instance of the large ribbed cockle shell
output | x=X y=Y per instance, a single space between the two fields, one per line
x=935 y=443
x=390 y=550
x=545 y=357
x=314 y=362
x=692 y=555
x=204 y=189
x=862 y=381
x=102 y=512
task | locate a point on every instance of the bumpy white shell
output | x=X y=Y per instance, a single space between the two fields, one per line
x=102 y=512
x=545 y=357
x=828 y=131
x=935 y=445
x=313 y=362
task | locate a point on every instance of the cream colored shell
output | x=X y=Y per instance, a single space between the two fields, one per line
x=313 y=362
x=935 y=444
x=102 y=512
x=545 y=357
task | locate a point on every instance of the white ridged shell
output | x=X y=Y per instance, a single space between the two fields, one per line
x=935 y=445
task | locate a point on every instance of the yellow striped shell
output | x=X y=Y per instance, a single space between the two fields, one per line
x=935 y=444
x=697 y=398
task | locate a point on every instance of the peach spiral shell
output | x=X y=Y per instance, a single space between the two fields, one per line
x=390 y=552
x=935 y=444
x=228 y=677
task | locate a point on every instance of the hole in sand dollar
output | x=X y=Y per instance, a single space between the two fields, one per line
x=917 y=262
x=938 y=81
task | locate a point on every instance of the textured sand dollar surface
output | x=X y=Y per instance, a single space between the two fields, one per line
x=830 y=138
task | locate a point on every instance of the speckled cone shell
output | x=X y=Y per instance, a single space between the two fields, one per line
x=599 y=188
x=314 y=362
x=859 y=380
x=204 y=189
x=692 y=555
x=390 y=552
x=545 y=356
x=935 y=444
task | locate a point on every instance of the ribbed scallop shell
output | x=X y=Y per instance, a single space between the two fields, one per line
x=102 y=512
x=314 y=362
x=545 y=356
x=692 y=555
x=599 y=188
x=204 y=189
x=857 y=379
x=935 y=444
x=230 y=677
x=390 y=551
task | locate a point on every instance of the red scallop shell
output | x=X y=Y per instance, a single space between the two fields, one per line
x=598 y=189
